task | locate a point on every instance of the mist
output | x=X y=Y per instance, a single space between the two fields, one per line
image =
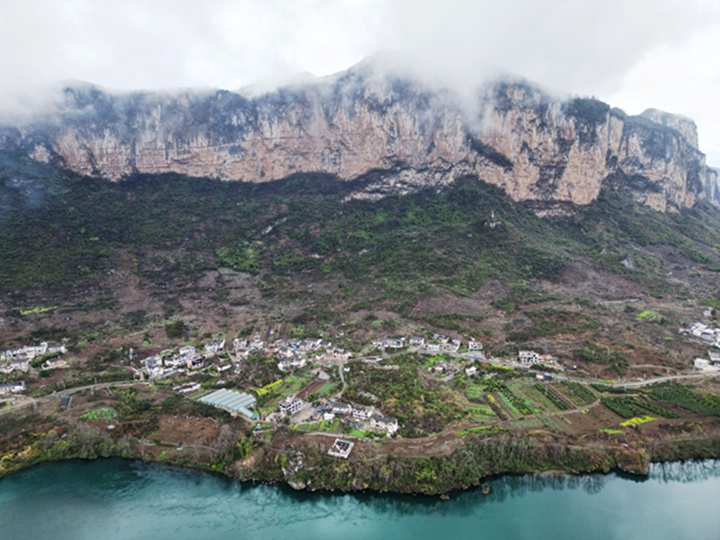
x=608 y=49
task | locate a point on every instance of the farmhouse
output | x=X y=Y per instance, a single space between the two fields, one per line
x=54 y=363
x=384 y=423
x=292 y=363
x=392 y=343
x=215 y=346
x=291 y=405
x=338 y=407
x=701 y=363
x=529 y=357
x=362 y=413
x=12 y=388
x=432 y=347
x=474 y=346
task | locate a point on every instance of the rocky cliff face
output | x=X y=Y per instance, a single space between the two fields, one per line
x=393 y=132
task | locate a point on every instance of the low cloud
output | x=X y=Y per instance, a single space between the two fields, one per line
x=590 y=47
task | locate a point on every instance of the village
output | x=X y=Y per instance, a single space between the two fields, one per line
x=310 y=396
x=307 y=389
x=316 y=404
x=710 y=335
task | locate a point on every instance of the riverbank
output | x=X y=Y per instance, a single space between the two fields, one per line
x=302 y=462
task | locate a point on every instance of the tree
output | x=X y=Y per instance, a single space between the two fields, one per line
x=177 y=329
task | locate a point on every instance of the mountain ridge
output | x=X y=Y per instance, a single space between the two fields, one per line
x=365 y=122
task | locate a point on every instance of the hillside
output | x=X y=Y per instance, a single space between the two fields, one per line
x=113 y=258
x=128 y=273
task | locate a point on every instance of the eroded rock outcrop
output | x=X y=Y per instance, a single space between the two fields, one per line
x=395 y=132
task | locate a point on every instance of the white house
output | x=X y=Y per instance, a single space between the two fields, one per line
x=12 y=387
x=529 y=357
x=338 y=407
x=340 y=354
x=701 y=363
x=187 y=350
x=384 y=423
x=417 y=341
x=291 y=405
x=392 y=343
x=240 y=344
x=292 y=363
x=153 y=366
x=215 y=346
x=195 y=362
x=474 y=346
x=362 y=413
x=471 y=371
x=432 y=347
x=54 y=363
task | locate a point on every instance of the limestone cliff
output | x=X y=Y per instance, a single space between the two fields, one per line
x=394 y=132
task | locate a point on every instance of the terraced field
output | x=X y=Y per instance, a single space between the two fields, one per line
x=579 y=394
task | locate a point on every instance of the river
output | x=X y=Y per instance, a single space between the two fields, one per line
x=113 y=499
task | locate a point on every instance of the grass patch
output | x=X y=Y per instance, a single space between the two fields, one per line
x=637 y=421
x=34 y=311
x=104 y=413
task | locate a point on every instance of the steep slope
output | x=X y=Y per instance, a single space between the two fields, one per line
x=394 y=132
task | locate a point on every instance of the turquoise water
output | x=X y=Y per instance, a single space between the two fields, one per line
x=109 y=499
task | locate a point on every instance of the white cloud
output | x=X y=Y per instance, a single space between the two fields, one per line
x=633 y=53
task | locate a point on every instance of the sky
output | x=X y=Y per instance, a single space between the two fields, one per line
x=633 y=54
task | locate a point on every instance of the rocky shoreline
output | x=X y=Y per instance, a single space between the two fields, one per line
x=307 y=468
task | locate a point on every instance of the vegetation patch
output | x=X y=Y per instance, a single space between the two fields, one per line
x=515 y=402
x=650 y=316
x=548 y=394
x=36 y=310
x=685 y=398
x=629 y=407
x=637 y=421
x=104 y=413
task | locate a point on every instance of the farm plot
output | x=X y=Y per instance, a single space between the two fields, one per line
x=328 y=389
x=578 y=393
x=497 y=408
x=482 y=413
x=554 y=423
x=559 y=401
x=630 y=407
x=311 y=388
x=474 y=393
x=515 y=402
x=685 y=398
x=537 y=397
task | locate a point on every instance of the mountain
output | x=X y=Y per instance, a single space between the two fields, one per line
x=393 y=132
x=365 y=201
